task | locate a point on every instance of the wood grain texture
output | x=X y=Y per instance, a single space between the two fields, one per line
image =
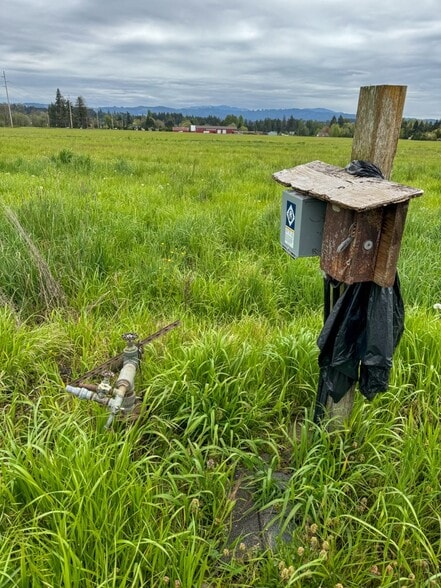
x=334 y=184
x=378 y=124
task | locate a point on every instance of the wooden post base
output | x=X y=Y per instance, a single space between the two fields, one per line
x=339 y=412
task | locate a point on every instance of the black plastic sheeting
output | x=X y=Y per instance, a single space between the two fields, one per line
x=364 y=169
x=358 y=340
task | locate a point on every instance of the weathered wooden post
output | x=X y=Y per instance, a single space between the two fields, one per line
x=363 y=216
x=377 y=130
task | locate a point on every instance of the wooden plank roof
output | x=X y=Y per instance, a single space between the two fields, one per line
x=334 y=184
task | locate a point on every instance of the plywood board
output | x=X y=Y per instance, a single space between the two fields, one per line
x=335 y=185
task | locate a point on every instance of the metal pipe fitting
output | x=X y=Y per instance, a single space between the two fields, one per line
x=85 y=394
x=81 y=393
x=131 y=351
x=126 y=377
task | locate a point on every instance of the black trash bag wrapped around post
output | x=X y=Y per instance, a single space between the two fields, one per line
x=358 y=340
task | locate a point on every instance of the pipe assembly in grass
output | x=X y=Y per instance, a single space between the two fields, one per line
x=120 y=398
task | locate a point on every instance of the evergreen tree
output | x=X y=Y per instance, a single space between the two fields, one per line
x=80 y=116
x=51 y=114
x=59 y=112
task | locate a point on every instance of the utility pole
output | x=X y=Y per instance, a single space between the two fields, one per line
x=7 y=98
x=70 y=114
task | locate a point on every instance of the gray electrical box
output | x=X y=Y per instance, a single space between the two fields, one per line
x=301 y=224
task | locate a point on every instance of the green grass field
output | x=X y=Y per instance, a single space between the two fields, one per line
x=104 y=232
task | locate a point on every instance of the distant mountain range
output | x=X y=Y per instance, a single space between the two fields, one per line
x=320 y=114
x=317 y=114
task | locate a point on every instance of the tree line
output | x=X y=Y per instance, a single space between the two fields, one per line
x=63 y=113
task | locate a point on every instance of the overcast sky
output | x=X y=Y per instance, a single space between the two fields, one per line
x=244 y=53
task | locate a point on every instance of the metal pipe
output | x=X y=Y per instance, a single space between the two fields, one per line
x=117 y=403
x=124 y=398
x=85 y=394
x=126 y=377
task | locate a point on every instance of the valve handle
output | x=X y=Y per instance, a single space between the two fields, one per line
x=107 y=374
x=130 y=337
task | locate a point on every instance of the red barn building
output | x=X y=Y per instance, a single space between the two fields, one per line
x=207 y=129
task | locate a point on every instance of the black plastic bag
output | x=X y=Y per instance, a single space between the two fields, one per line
x=358 y=340
x=364 y=169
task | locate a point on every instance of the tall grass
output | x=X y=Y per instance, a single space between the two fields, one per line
x=138 y=229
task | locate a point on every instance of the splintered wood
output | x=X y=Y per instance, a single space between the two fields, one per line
x=335 y=185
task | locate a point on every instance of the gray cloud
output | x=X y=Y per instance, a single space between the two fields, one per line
x=277 y=54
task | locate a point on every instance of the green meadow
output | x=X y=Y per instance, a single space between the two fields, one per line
x=104 y=232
